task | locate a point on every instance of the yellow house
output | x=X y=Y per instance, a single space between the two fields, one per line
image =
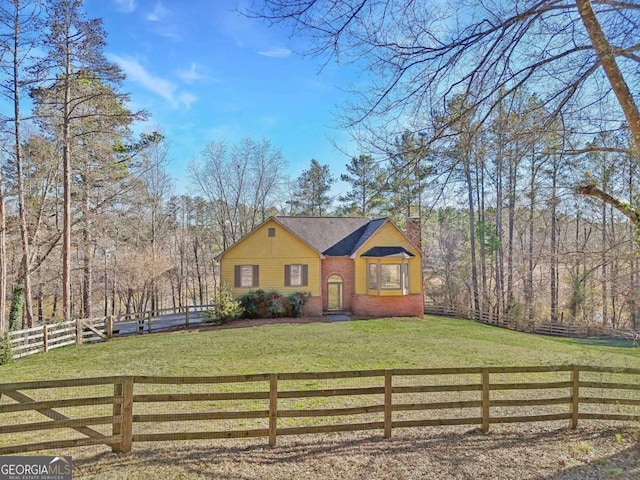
x=355 y=265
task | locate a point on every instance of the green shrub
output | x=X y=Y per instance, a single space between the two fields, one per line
x=260 y=304
x=254 y=303
x=275 y=304
x=297 y=302
x=224 y=308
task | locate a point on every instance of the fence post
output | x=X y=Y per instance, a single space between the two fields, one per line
x=388 y=384
x=108 y=326
x=485 y=400
x=45 y=337
x=79 y=338
x=123 y=391
x=273 y=408
x=149 y=314
x=575 y=396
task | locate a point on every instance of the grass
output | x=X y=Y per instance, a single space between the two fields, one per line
x=356 y=345
x=366 y=344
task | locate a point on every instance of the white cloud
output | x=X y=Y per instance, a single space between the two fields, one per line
x=276 y=52
x=158 y=13
x=192 y=74
x=126 y=6
x=187 y=99
x=157 y=85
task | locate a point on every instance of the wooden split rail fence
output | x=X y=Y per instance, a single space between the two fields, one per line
x=121 y=410
x=558 y=329
x=89 y=330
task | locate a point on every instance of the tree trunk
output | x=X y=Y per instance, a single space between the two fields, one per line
x=54 y=309
x=633 y=274
x=604 y=278
x=472 y=237
x=198 y=268
x=499 y=253
x=66 y=183
x=87 y=275
x=511 y=214
x=22 y=210
x=529 y=293
x=482 y=233
x=87 y=257
x=554 y=241
x=3 y=261
x=40 y=305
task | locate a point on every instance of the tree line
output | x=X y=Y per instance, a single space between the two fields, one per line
x=519 y=165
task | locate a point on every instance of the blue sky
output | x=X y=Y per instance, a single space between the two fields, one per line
x=205 y=73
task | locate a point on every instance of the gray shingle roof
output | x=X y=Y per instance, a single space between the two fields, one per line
x=332 y=236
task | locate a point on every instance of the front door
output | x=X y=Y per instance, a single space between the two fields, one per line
x=334 y=293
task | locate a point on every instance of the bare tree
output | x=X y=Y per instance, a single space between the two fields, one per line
x=580 y=56
x=241 y=182
x=18 y=20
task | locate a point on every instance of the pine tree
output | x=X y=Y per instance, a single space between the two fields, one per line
x=74 y=47
x=312 y=194
x=368 y=182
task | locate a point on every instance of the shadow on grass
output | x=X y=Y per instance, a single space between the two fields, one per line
x=547 y=454
x=607 y=342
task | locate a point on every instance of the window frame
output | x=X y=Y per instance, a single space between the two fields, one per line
x=373 y=272
x=298 y=276
x=240 y=275
x=376 y=268
x=382 y=280
x=302 y=275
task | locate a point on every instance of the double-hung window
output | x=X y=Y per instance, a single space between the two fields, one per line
x=296 y=275
x=246 y=276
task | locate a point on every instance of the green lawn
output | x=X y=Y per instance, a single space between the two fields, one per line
x=368 y=344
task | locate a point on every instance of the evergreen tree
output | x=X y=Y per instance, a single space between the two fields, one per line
x=407 y=173
x=74 y=50
x=313 y=186
x=367 y=179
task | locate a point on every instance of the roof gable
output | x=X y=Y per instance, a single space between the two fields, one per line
x=349 y=244
x=252 y=237
x=388 y=235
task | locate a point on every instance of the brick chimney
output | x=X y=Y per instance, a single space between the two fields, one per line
x=414 y=231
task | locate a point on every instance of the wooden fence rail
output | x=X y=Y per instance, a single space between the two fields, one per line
x=559 y=329
x=86 y=330
x=123 y=410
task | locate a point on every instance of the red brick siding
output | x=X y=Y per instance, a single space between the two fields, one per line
x=345 y=267
x=389 y=306
x=313 y=307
